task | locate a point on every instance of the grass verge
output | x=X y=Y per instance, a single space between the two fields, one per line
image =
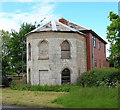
x=90 y=98
x=30 y=98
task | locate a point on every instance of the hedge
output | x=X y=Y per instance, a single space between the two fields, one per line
x=100 y=77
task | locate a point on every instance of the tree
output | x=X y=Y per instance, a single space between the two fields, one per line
x=14 y=48
x=113 y=36
x=5 y=50
x=18 y=45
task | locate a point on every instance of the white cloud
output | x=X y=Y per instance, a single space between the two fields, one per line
x=10 y=21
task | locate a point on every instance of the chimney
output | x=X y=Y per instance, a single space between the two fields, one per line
x=64 y=21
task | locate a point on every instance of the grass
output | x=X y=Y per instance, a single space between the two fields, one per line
x=78 y=97
x=30 y=98
x=16 y=85
x=90 y=98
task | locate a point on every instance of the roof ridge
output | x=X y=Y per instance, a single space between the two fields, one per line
x=54 y=27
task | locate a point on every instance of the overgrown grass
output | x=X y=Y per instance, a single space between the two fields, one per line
x=30 y=98
x=56 y=88
x=90 y=98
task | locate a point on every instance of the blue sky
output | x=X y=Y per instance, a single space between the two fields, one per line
x=89 y=14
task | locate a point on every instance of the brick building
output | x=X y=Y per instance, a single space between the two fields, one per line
x=59 y=52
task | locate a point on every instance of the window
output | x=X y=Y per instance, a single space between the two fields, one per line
x=43 y=50
x=65 y=76
x=99 y=45
x=29 y=75
x=99 y=63
x=65 y=49
x=94 y=41
x=29 y=51
x=95 y=62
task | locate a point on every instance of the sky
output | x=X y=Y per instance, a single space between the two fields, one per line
x=93 y=15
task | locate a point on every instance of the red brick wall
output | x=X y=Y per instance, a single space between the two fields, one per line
x=89 y=50
x=100 y=54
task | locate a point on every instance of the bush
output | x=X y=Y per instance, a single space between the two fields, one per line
x=17 y=85
x=99 y=77
x=55 y=88
x=23 y=86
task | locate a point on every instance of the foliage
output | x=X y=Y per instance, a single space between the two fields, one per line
x=94 y=97
x=100 y=77
x=18 y=45
x=56 y=88
x=16 y=85
x=5 y=39
x=113 y=36
x=14 y=48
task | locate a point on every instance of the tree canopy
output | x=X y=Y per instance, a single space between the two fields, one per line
x=14 y=48
x=113 y=36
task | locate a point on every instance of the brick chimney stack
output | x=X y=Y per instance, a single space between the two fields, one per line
x=64 y=21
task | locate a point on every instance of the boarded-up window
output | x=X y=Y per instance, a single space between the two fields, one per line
x=65 y=77
x=43 y=49
x=65 y=49
x=29 y=51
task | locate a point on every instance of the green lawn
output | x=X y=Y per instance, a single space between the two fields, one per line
x=90 y=98
x=77 y=98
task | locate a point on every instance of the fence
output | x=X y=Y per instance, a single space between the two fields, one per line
x=16 y=77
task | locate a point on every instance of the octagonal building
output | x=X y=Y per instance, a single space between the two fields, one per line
x=56 y=54
x=59 y=52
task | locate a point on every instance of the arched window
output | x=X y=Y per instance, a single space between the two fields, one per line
x=29 y=76
x=65 y=49
x=65 y=76
x=43 y=50
x=29 y=51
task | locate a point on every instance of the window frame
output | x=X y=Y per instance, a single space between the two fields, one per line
x=66 y=51
x=29 y=51
x=39 y=44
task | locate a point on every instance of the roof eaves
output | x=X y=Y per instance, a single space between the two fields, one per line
x=91 y=31
x=99 y=37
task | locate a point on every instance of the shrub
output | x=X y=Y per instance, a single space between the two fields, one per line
x=99 y=77
x=57 y=88
x=17 y=85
